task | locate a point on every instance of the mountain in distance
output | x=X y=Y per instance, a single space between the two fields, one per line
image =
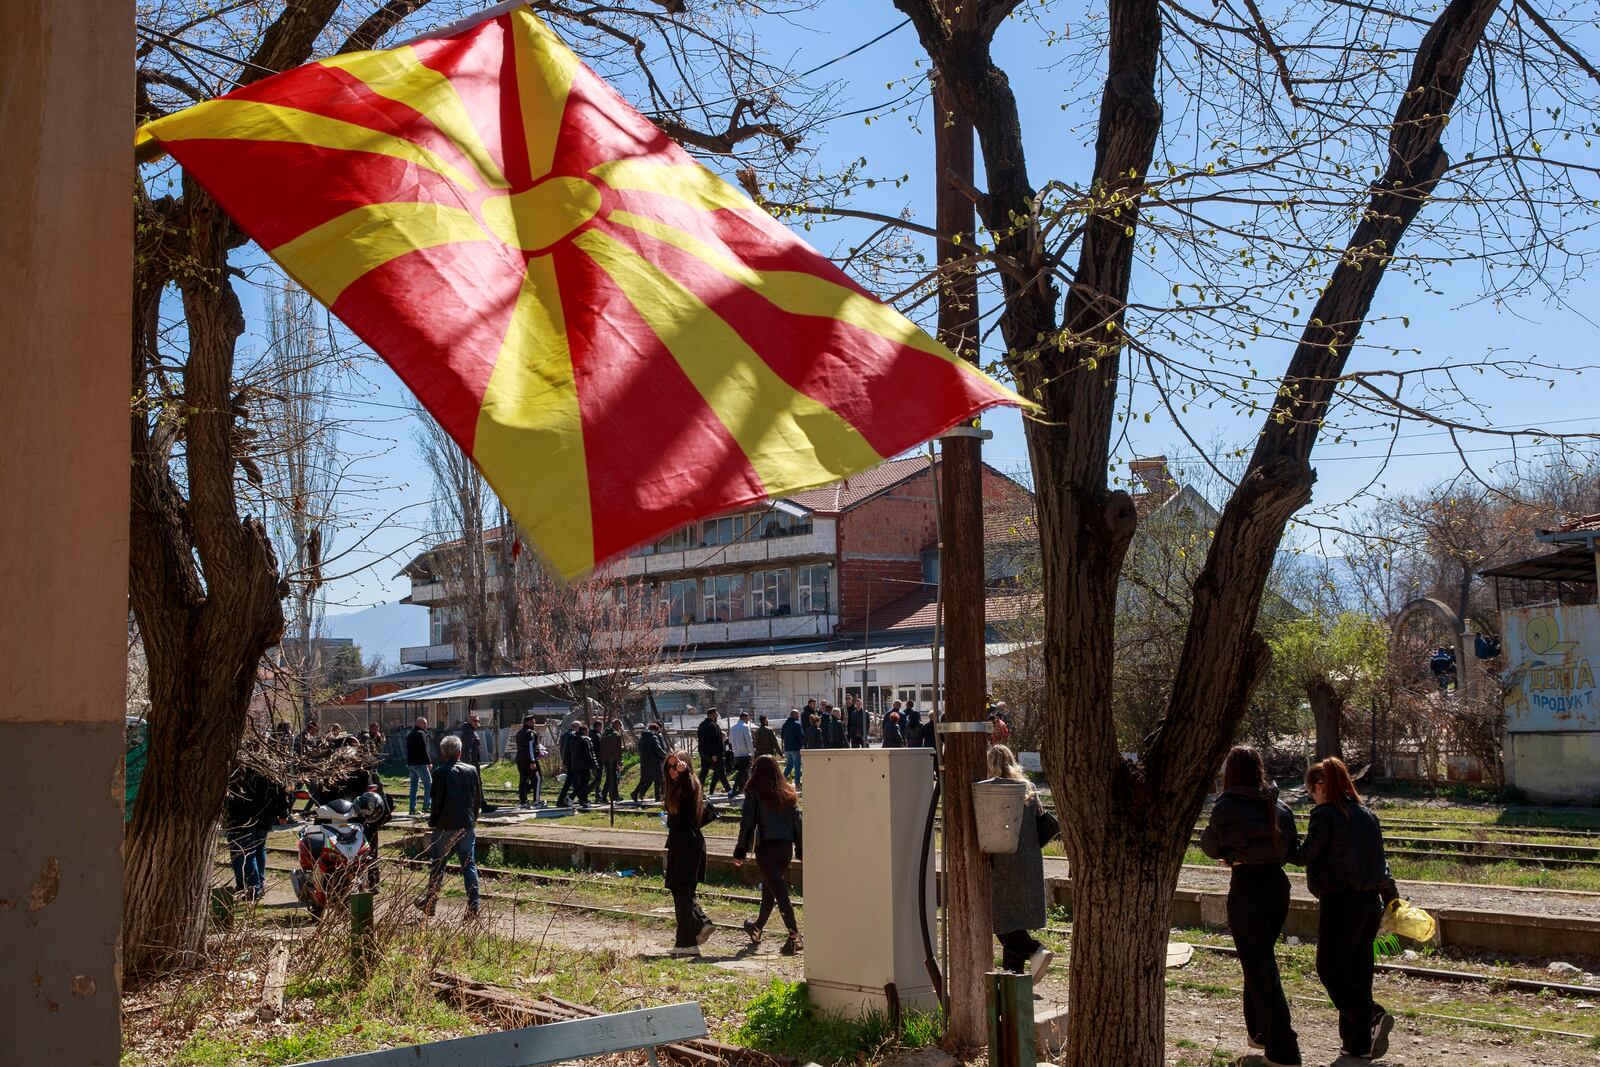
x=381 y=630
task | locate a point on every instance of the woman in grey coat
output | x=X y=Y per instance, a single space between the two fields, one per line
x=1017 y=890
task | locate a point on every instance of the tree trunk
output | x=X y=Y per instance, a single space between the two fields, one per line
x=1327 y=712
x=1122 y=887
x=204 y=590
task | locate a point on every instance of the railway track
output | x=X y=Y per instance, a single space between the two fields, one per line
x=498 y=874
x=1474 y=850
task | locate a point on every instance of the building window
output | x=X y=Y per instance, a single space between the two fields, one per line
x=680 y=597
x=769 y=593
x=436 y=626
x=677 y=540
x=724 y=531
x=778 y=524
x=814 y=583
x=724 y=598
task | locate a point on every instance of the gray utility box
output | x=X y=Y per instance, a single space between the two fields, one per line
x=865 y=810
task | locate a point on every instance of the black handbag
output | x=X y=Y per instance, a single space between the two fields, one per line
x=1047 y=826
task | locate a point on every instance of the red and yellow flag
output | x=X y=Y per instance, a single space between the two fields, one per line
x=622 y=341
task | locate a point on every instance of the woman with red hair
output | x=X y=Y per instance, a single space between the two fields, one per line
x=1347 y=872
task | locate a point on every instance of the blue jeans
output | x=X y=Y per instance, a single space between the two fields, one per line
x=463 y=845
x=423 y=774
x=248 y=851
x=791 y=765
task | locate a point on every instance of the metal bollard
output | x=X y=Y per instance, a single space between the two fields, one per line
x=363 y=935
x=1011 y=1030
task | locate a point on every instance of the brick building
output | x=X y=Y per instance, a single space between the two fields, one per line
x=813 y=569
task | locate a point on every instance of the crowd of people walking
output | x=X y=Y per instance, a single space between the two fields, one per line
x=1251 y=830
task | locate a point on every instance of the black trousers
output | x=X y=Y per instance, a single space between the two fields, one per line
x=567 y=786
x=580 y=791
x=647 y=778
x=1347 y=923
x=717 y=768
x=741 y=772
x=1258 y=903
x=1015 y=948
x=772 y=860
x=528 y=778
x=613 y=782
x=691 y=920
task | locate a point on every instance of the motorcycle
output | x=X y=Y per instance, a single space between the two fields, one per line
x=336 y=853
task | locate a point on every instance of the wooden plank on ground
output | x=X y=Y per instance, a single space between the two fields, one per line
x=536 y=1046
x=270 y=1006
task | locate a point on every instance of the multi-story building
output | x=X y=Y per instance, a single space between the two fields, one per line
x=812 y=569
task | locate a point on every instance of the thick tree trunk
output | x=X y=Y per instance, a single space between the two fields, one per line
x=203 y=636
x=1122 y=886
x=1327 y=712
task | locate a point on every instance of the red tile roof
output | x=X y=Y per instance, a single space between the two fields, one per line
x=915 y=611
x=840 y=496
x=1577 y=525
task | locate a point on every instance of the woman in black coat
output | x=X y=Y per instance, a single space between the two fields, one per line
x=687 y=810
x=1253 y=832
x=771 y=820
x=1347 y=872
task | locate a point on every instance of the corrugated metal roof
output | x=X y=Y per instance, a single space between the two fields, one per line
x=501 y=685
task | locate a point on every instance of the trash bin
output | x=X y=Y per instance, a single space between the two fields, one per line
x=998 y=805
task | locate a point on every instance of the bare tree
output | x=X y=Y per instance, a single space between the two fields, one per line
x=461 y=562
x=205 y=583
x=297 y=463
x=1267 y=216
x=603 y=633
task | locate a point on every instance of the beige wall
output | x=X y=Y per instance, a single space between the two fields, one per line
x=1562 y=767
x=66 y=109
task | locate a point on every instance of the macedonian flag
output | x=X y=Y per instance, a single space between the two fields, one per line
x=621 y=341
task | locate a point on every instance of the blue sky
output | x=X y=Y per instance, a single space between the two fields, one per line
x=1457 y=325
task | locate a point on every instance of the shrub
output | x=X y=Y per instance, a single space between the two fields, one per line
x=782 y=1020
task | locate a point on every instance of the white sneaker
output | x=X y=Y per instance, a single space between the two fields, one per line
x=1039 y=961
x=692 y=950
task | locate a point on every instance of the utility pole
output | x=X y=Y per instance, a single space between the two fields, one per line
x=966 y=875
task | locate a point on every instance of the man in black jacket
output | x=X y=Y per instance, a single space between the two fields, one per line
x=585 y=765
x=471 y=743
x=652 y=754
x=564 y=746
x=254 y=803
x=856 y=723
x=713 y=753
x=457 y=799
x=418 y=765
x=525 y=746
x=609 y=750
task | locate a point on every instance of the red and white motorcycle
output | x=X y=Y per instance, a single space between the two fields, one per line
x=336 y=854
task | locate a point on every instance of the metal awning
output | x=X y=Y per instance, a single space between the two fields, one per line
x=673 y=685
x=1575 y=564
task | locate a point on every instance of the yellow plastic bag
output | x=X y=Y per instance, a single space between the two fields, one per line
x=1406 y=919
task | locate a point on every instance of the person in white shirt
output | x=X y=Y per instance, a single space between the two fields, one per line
x=742 y=743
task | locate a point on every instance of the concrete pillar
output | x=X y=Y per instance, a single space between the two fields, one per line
x=66 y=106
